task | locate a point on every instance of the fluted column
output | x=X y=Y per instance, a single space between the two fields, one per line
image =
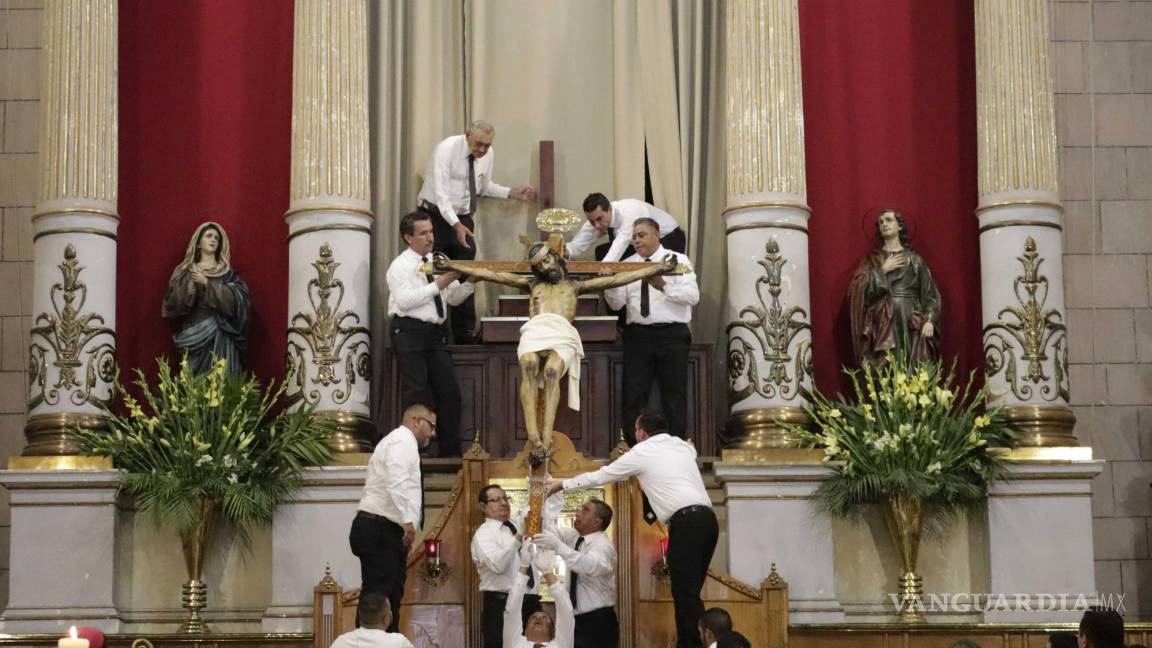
x=72 y=345
x=1020 y=220
x=769 y=332
x=329 y=222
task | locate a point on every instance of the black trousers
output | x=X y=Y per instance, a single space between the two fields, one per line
x=598 y=629
x=692 y=535
x=492 y=617
x=674 y=240
x=379 y=544
x=427 y=376
x=461 y=318
x=657 y=352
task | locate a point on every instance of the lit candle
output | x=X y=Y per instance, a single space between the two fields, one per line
x=432 y=548
x=71 y=641
x=664 y=547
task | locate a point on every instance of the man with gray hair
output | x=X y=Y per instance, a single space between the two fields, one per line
x=458 y=174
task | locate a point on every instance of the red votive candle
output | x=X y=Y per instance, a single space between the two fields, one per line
x=432 y=547
x=664 y=547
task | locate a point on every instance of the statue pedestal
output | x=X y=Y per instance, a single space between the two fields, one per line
x=308 y=532
x=1040 y=541
x=771 y=521
x=63 y=554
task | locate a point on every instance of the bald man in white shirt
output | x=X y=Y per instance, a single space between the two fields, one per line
x=392 y=507
x=375 y=617
x=458 y=174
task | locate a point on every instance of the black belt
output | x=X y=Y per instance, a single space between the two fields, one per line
x=373 y=516
x=419 y=322
x=658 y=325
x=687 y=510
x=430 y=207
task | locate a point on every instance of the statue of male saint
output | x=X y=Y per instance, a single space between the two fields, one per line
x=549 y=344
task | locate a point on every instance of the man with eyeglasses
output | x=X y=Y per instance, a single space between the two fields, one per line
x=495 y=550
x=392 y=507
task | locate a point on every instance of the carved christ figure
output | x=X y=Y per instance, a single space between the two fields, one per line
x=549 y=344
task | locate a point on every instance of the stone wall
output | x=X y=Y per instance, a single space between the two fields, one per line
x=20 y=40
x=1102 y=68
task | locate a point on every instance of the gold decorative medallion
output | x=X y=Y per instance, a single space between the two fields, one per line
x=766 y=333
x=1037 y=334
x=331 y=335
x=71 y=341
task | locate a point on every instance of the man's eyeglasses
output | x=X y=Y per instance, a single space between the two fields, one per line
x=495 y=499
x=430 y=423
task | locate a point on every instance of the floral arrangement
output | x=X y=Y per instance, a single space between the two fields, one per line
x=207 y=445
x=908 y=434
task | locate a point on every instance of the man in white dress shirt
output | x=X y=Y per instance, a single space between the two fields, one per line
x=591 y=561
x=616 y=219
x=386 y=518
x=458 y=173
x=416 y=306
x=494 y=550
x=540 y=630
x=656 y=337
x=375 y=617
x=666 y=468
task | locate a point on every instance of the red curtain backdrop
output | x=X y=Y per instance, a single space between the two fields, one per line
x=205 y=128
x=890 y=120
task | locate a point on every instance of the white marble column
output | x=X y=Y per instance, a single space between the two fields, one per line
x=63 y=550
x=1040 y=542
x=72 y=345
x=771 y=522
x=769 y=333
x=1020 y=219
x=329 y=222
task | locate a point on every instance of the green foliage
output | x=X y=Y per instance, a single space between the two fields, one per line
x=208 y=437
x=907 y=433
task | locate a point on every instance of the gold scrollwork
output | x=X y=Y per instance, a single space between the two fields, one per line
x=69 y=340
x=1033 y=331
x=773 y=329
x=330 y=335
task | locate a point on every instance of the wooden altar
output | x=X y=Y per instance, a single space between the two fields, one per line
x=489 y=379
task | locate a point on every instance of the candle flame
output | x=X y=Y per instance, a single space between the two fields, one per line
x=72 y=632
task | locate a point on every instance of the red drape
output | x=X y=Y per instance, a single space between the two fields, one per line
x=890 y=120
x=205 y=128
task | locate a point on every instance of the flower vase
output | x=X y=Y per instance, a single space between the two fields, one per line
x=195 y=543
x=905 y=518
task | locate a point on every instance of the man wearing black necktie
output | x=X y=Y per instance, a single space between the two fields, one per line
x=591 y=559
x=495 y=547
x=416 y=306
x=657 y=337
x=458 y=174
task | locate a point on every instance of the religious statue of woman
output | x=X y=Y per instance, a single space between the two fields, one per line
x=211 y=300
x=895 y=306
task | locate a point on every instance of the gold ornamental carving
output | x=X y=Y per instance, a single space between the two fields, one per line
x=72 y=341
x=1033 y=332
x=330 y=335
x=765 y=333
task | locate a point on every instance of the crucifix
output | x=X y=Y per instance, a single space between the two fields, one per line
x=550 y=346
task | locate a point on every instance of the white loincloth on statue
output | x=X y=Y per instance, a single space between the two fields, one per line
x=551 y=332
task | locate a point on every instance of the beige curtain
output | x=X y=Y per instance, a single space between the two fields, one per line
x=603 y=79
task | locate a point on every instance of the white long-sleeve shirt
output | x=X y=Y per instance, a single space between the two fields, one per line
x=446 y=178
x=666 y=468
x=392 y=488
x=410 y=294
x=595 y=562
x=371 y=638
x=672 y=304
x=514 y=625
x=495 y=550
x=624 y=213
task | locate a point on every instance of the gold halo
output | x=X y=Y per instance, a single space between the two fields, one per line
x=558 y=219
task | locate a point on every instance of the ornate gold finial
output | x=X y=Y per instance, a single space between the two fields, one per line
x=774 y=576
x=328 y=583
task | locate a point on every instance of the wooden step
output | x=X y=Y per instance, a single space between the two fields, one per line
x=517 y=305
x=594 y=328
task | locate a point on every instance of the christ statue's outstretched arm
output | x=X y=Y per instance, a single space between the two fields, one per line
x=624 y=278
x=442 y=262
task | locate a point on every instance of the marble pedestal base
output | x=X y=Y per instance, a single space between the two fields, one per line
x=307 y=533
x=770 y=521
x=1040 y=541
x=63 y=554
